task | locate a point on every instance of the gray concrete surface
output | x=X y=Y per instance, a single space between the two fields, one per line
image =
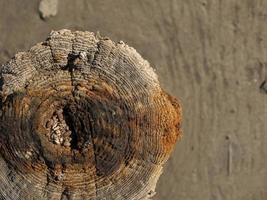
x=212 y=54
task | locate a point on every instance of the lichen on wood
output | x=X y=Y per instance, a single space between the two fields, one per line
x=82 y=117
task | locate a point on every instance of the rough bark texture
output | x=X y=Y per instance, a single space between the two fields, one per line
x=212 y=54
x=83 y=118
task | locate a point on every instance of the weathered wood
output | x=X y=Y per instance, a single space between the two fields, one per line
x=212 y=54
x=83 y=117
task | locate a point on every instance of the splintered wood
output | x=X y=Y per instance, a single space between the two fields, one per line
x=82 y=117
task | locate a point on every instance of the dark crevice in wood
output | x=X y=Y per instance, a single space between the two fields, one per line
x=65 y=195
x=76 y=116
x=69 y=122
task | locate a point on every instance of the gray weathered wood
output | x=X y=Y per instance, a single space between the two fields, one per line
x=83 y=117
x=212 y=54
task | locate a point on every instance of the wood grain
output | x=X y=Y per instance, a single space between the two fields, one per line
x=209 y=53
x=83 y=117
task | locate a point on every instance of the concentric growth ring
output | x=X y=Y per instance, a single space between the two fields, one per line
x=83 y=118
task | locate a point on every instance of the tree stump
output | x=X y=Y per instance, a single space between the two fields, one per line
x=82 y=117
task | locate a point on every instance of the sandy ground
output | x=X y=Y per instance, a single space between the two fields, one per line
x=209 y=53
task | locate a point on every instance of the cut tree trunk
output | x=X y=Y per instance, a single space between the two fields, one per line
x=82 y=117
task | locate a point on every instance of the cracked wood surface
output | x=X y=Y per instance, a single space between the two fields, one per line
x=83 y=117
x=209 y=53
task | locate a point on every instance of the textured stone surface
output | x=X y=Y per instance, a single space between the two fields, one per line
x=210 y=53
x=48 y=8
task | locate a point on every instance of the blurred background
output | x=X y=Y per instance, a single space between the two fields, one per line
x=211 y=54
